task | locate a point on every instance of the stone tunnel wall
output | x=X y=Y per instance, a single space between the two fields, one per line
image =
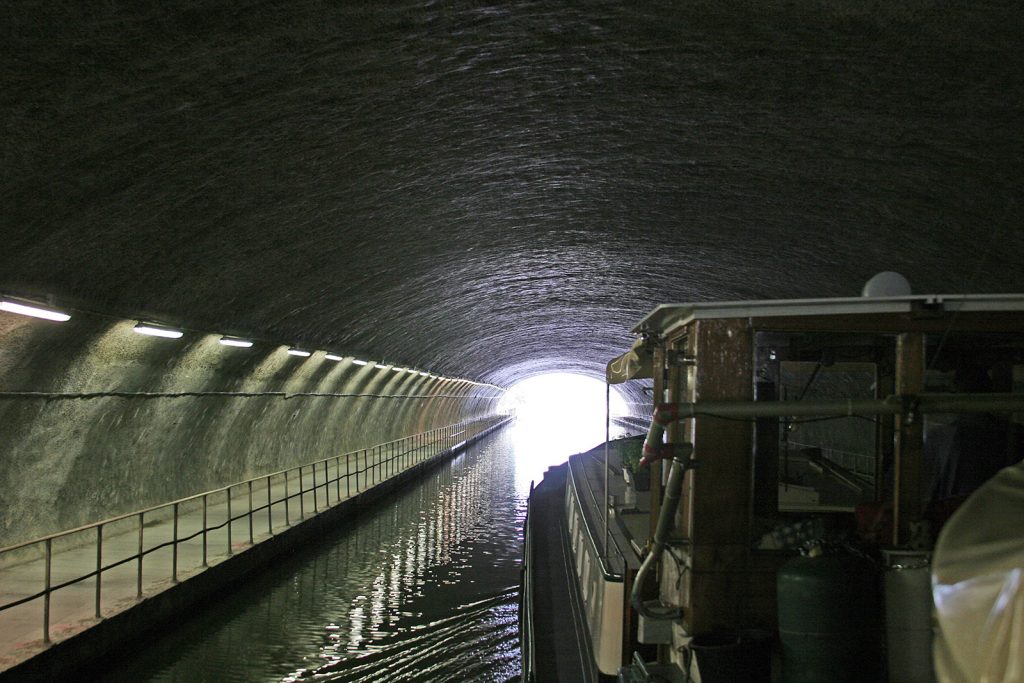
x=65 y=462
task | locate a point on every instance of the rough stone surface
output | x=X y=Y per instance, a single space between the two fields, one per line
x=71 y=461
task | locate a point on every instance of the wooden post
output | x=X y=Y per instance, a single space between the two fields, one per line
x=720 y=489
x=909 y=447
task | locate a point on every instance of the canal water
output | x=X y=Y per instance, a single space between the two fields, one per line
x=422 y=587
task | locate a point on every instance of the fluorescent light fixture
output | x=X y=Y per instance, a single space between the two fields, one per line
x=34 y=311
x=331 y=356
x=397 y=369
x=231 y=341
x=424 y=374
x=360 y=362
x=380 y=365
x=157 y=331
x=299 y=352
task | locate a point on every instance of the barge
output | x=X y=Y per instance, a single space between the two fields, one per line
x=797 y=489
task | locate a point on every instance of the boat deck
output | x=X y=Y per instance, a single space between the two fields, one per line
x=628 y=513
x=561 y=643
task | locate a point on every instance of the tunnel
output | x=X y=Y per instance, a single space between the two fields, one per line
x=437 y=201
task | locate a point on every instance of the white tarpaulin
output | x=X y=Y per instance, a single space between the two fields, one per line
x=978 y=585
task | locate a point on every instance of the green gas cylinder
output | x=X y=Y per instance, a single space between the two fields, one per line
x=830 y=620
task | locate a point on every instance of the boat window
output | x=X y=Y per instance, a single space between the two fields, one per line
x=811 y=466
x=826 y=464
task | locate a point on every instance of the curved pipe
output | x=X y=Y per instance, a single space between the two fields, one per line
x=668 y=509
x=664 y=414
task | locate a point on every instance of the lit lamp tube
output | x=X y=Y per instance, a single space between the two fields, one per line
x=157 y=331
x=33 y=311
x=231 y=341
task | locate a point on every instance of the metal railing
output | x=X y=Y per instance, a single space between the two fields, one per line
x=611 y=559
x=114 y=560
x=527 y=652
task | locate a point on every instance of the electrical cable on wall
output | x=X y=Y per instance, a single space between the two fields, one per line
x=60 y=396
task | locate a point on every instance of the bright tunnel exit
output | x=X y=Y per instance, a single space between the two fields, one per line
x=558 y=414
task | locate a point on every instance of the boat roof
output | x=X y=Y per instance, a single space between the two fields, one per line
x=666 y=317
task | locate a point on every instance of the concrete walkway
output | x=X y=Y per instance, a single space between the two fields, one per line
x=77 y=607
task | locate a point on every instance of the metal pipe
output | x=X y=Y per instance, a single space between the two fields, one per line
x=666 y=413
x=673 y=488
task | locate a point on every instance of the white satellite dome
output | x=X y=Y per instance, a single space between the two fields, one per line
x=886 y=283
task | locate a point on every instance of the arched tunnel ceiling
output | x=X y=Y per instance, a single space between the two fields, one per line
x=490 y=191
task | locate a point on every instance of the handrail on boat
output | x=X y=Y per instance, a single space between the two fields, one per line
x=528 y=656
x=602 y=558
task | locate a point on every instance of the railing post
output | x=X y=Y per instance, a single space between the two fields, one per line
x=337 y=477
x=174 y=548
x=348 y=476
x=287 y=514
x=204 y=530
x=302 y=496
x=327 y=483
x=46 y=590
x=251 y=541
x=99 y=566
x=316 y=507
x=138 y=578
x=270 y=509
x=229 y=521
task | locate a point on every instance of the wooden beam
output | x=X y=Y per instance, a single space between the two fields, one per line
x=909 y=447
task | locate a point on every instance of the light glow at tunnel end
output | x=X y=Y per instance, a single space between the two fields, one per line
x=557 y=415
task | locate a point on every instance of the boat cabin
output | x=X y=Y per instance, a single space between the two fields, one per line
x=851 y=467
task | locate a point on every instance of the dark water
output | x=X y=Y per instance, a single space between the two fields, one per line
x=423 y=587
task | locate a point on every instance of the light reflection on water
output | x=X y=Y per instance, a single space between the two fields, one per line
x=423 y=587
